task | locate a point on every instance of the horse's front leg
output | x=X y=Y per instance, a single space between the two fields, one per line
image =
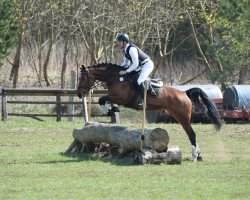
x=113 y=108
x=119 y=100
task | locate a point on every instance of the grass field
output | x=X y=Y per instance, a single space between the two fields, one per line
x=32 y=166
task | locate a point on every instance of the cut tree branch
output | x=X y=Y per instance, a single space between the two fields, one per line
x=197 y=42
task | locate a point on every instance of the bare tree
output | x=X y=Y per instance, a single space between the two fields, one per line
x=23 y=11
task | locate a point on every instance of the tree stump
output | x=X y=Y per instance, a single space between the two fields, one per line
x=149 y=156
x=126 y=139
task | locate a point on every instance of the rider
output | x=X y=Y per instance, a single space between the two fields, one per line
x=138 y=60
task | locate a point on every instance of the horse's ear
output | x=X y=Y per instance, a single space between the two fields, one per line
x=83 y=68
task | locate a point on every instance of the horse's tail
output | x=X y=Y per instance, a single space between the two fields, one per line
x=194 y=94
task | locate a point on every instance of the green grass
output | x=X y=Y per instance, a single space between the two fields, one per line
x=32 y=166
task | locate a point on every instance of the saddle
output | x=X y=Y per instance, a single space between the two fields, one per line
x=153 y=90
x=154 y=86
x=158 y=83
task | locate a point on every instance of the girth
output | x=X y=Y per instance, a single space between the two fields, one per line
x=132 y=100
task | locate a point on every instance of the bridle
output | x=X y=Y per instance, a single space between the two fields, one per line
x=88 y=78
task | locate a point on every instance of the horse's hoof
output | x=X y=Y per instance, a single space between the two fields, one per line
x=115 y=109
x=109 y=113
x=199 y=158
x=101 y=101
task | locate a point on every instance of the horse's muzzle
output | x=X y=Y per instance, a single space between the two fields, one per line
x=80 y=92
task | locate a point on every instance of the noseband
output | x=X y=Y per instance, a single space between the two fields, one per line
x=88 y=78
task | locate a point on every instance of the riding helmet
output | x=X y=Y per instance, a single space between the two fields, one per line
x=123 y=37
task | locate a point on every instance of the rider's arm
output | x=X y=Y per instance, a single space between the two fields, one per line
x=125 y=63
x=133 y=52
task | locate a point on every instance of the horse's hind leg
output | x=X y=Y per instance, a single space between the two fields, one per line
x=192 y=137
x=184 y=119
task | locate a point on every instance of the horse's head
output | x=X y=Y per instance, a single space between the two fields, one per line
x=86 y=82
x=105 y=72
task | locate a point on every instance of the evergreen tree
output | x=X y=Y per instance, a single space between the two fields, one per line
x=8 y=27
x=231 y=40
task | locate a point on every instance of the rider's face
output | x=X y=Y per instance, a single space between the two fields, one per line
x=121 y=44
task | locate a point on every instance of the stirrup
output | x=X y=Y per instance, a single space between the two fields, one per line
x=141 y=104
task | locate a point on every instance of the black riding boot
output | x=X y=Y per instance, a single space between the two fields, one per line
x=141 y=91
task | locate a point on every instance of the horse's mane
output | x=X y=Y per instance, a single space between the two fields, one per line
x=107 y=65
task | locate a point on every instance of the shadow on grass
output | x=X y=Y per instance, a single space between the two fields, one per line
x=85 y=157
x=126 y=161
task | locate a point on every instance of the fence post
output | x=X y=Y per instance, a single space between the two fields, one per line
x=58 y=108
x=71 y=98
x=4 y=106
x=84 y=108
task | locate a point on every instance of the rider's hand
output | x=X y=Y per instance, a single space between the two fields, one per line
x=123 y=72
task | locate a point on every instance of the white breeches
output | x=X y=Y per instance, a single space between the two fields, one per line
x=146 y=69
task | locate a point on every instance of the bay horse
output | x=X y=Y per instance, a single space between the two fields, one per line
x=177 y=103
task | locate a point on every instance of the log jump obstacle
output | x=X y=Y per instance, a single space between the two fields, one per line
x=122 y=141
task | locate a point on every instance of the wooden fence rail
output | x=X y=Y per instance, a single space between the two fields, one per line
x=57 y=93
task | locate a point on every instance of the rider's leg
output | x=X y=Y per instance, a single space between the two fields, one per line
x=141 y=91
x=147 y=68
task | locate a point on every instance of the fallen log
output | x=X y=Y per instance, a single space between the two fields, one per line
x=126 y=139
x=149 y=156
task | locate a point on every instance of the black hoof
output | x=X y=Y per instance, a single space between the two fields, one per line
x=115 y=109
x=79 y=95
x=102 y=101
x=199 y=158
x=109 y=113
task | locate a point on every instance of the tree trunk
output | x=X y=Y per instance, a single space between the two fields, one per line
x=64 y=64
x=46 y=62
x=40 y=41
x=126 y=139
x=243 y=74
x=16 y=64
